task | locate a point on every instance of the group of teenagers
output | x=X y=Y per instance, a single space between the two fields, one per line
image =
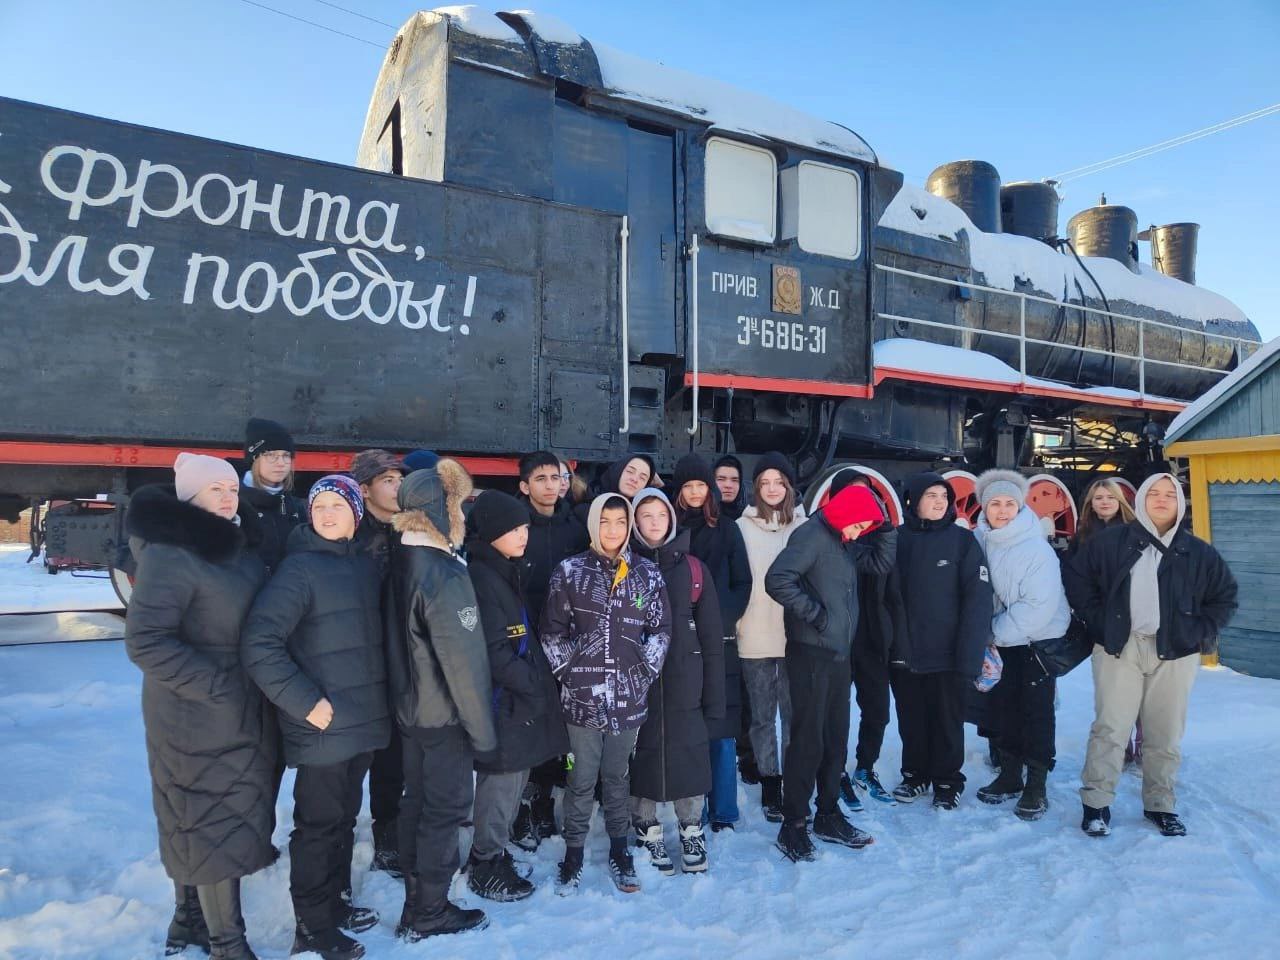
x=647 y=643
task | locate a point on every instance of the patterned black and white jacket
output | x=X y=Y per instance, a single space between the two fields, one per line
x=606 y=627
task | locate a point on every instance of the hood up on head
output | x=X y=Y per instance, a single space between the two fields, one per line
x=1140 y=507
x=593 y=518
x=914 y=489
x=653 y=493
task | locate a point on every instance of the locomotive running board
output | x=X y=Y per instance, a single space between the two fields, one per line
x=865 y=392
x=1037 y=389
x=780 y=385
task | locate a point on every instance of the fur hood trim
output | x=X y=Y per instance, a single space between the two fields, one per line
x=429 y=520
x=156 y=515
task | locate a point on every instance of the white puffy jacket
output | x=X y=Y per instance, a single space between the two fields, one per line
x=1031 y=603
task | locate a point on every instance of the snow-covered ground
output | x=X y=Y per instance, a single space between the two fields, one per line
x=27 y=588
x=80 y=877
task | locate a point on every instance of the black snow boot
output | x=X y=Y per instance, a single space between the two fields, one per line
x=410 y=900
x=386 y=847
x=1170 y=824
x=543 y=811
x=442 y=917
x=1007 y=785
x=747 y=768
x=569 y=875
x=622 y=868
x=771 y=798
x=1096 y=821
x=524 y=832
x=497 y=879
x=834 y=828
x=1034 y=800
x=187 y=928
x=220 y=904
x=793 y=841
x=331 y=944
x=348 y=916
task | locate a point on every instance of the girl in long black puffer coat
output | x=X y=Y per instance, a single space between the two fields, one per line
x=718 y=543
x=672 y=760
x=210 y=746
x=313 y=643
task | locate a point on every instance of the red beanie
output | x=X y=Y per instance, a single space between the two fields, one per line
x=853 y=504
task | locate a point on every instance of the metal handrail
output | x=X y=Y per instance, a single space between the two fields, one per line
x=1023 y=339
x=625 y=233
x=1043 y=343
x=1056 y=303
x=693 y=317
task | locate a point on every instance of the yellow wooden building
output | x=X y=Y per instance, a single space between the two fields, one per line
x=1231 y=438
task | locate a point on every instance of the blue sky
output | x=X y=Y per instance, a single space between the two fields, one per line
x=1034 y=88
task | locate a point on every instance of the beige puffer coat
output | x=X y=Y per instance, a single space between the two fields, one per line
x=760 y=631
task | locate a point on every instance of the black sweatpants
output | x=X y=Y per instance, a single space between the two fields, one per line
x=386 y=780
x=819 y=687
x=326 y=799
x=931 y=721
x=871 y=685
x=438 y=790
x=1023 y=700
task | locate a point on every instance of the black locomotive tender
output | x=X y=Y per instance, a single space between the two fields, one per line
x=555 y=245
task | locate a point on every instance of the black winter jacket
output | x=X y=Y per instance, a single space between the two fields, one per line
x=815 y=579
x=1197 y=590
x=724 y=552
x=672 y=761
x=315 y=632
x=551 y=540
x=882 y=617
x=278 y=514
x=946 y=591
x=373 y=538
x=436 y=658
x=210 y=735
x=526 y=700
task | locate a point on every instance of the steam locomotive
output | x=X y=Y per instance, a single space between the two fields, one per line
x=553 y=244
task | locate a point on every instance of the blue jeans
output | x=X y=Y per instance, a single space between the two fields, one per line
x=722 y=801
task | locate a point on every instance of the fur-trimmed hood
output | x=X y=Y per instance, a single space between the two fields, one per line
x=156 y=515
x=431 y=504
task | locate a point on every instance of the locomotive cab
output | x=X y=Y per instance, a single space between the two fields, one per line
x=746 y=243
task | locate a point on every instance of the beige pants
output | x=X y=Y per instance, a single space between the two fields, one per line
x=1137 y=685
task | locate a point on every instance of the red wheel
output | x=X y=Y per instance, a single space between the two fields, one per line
x=883 y=489
x=1049 y=498
x=962 y=484
x=1130 y=491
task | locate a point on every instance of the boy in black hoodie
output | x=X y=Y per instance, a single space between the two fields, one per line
x=379 y=474
x=555 y=534
x=947 y=594
x=526 y=708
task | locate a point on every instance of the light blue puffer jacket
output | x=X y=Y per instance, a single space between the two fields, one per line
x=1031 y=603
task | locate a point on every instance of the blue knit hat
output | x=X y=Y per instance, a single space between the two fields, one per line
x=344 y=487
